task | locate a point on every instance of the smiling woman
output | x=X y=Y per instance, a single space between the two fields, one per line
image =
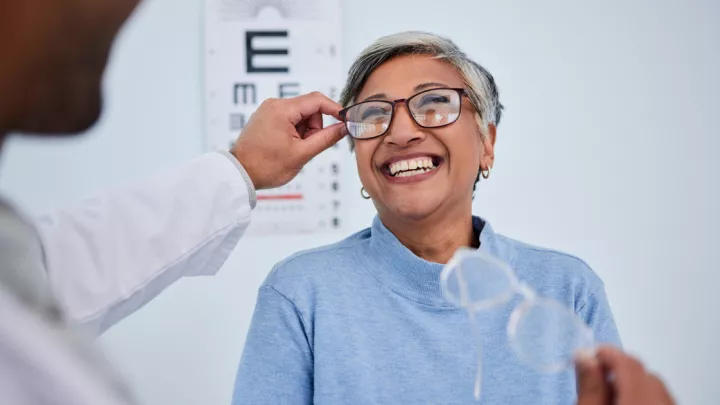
x=364 y=320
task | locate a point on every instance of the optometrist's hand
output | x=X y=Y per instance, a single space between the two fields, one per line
x=615 y=378
x=282 y=136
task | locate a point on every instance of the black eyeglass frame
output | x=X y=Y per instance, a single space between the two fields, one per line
x=343 y=113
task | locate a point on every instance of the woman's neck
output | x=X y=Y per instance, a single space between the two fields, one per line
x=435 y=238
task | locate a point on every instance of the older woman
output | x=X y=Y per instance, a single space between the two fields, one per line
x=363 y=321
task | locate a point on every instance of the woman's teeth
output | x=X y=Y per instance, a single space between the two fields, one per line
x=411 y=167
x=412 y=173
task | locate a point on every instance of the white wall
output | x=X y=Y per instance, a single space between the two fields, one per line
x=608 y=149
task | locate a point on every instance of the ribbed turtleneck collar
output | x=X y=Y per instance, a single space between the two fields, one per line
x=408 y=275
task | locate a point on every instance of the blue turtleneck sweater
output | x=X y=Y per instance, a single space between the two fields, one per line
x=363 y=321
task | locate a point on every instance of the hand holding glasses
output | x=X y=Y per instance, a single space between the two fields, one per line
x=543 y=332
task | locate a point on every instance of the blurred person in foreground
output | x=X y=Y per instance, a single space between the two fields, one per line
x=74 y=272
x=364 y=320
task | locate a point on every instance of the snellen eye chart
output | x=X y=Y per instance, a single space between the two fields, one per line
x=259 y=49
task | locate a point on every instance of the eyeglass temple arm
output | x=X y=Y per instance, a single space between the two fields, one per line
x=526 y=291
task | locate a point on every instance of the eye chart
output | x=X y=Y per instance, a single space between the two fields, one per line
x=259 y=49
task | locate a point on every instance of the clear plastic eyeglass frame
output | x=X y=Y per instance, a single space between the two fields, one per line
x=543 y=332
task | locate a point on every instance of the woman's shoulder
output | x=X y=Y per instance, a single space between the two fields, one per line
x=318 y=263
x=542 y=264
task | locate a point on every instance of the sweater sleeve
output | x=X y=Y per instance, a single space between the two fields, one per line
x=276 y=365
x=597 y=314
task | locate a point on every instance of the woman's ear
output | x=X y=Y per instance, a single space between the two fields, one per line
x=487 y=160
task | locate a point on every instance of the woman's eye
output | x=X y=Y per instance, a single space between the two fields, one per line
x=372 y=113
x=433 y=99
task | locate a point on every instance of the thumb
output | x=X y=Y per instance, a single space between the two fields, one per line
x=592 y=387
x=318 y=141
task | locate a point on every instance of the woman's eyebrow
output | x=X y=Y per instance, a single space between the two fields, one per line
x=419 y=87
x=430 y=85
x=376 y=96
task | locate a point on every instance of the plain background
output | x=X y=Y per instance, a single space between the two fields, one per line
x=607 y=149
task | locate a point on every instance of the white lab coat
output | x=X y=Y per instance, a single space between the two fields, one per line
x=107 y=257
x=117 y=250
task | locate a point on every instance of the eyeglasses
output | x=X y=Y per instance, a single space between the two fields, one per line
x=429 y=109
x=543 y=332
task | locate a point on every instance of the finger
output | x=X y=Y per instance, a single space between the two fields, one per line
x=316 y=141
x=301 y=129
x=306 y=105
x=592 y=385
x=627 y=370
x=660 y=390
x=313 y=122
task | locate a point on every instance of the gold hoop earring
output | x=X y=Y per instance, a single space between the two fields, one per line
x=485 y=173
x=364 y=193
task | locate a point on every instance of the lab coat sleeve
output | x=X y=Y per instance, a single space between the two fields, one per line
x=115 y=251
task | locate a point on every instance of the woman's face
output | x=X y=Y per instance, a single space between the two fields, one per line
x=456 y=151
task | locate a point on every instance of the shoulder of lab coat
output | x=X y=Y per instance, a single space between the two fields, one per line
x=115 y=251
x=43 y=362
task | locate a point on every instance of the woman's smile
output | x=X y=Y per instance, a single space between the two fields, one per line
x=411 y=168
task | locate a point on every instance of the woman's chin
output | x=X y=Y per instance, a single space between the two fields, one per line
x=411 y=210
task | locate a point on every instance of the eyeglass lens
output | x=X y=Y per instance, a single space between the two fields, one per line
x=547 y=335
x=476 y=283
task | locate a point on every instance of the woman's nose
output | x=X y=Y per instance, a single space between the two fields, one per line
x=403 y=130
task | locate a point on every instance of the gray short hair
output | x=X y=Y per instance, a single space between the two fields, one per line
x=482 y=91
